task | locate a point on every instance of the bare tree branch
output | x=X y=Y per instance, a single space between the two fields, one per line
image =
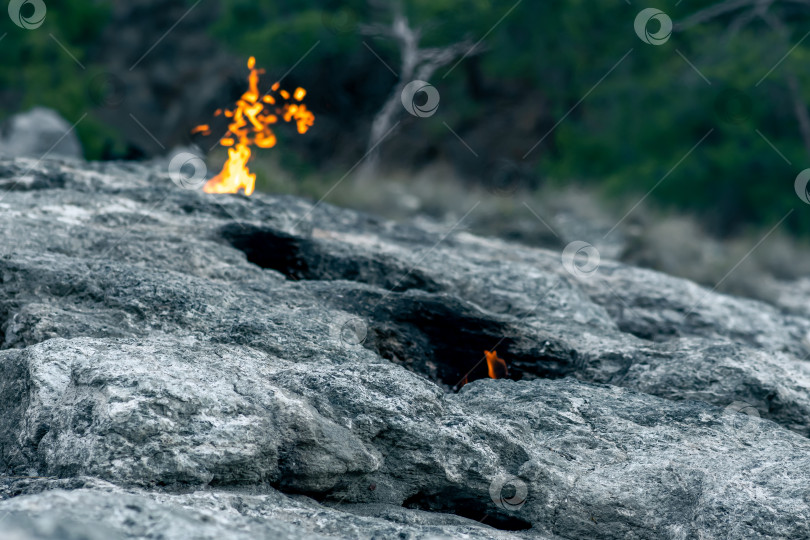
x=713 y=12
x=415 y=64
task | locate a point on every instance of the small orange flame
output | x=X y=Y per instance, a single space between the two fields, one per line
x=250 y=125
x=204 y=129
x=496 y=366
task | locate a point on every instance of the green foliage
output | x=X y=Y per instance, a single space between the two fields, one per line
x=36 y=68
x=628 y=131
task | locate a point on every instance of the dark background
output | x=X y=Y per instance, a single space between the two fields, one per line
x=617 y=116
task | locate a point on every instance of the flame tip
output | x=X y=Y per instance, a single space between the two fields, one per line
x=250 y=125
x=496 y=367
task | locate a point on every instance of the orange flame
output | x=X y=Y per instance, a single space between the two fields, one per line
x=496 y=366
x=250 y=125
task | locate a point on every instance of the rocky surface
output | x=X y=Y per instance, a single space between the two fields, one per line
x=40 y=132
x=198 y=366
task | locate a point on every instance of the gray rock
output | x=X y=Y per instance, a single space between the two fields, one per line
x=217 y=513
x=39 y=133
x=793 y=296
x=265 y=367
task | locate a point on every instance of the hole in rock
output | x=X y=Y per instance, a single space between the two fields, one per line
x=434 y=334
x=304 y=258
x=468 y=506
x=445 y=339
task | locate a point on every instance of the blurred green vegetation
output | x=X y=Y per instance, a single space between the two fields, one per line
x=36 y=71
x=630 y=133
